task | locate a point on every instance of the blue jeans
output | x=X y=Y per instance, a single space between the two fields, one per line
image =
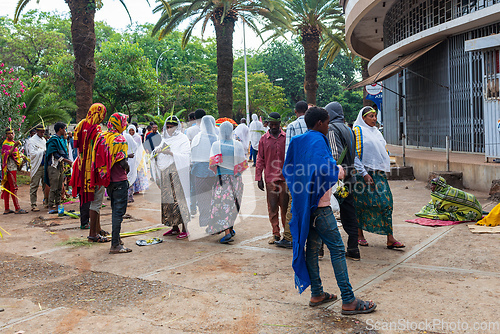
x=118 y=192
x=324 y=228
x=254 y=156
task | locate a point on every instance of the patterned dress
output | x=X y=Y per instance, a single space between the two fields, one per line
x=174 y=208
x=226 y=200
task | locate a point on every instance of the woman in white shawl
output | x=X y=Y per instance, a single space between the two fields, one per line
x=204 y=177
x=242 y=133
x=227 y=160
x=256 y=130
x=170 y=167
x=137 y=176
x=372 y=194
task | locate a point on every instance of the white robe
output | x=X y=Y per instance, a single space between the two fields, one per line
x=36 y=149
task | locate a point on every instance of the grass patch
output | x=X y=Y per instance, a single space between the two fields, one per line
x=23 y=179
x=76 y=242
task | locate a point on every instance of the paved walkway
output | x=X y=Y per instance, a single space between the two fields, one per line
x=445 y=277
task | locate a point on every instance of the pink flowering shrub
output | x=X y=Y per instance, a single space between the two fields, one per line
x=11 y=106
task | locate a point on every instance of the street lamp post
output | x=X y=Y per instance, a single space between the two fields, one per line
x=247 y=104
x=157 y=80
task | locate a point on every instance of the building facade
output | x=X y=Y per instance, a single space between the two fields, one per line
x=438 y=61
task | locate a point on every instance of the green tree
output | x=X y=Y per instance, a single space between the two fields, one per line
x=315 y=21
x=124 y=77
x=284 y=60
x=31 y=46
x=263 y=95
x=83 y=40
x=223 y=15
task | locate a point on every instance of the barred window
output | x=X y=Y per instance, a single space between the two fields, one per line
x=491 y=74
x=407 y=18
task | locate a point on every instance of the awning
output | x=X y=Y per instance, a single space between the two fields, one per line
x=391 y=69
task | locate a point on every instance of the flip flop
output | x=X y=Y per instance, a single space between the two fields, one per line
x=7 y=212
x=98 y=238
x=396 y=244
x=120 y=249
x=20 y=212
x=148 y=242
x=328 y=299
x=363 y=242
x=85 y=227
x=361 y=308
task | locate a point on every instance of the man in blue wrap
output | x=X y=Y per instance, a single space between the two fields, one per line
x=310 y=172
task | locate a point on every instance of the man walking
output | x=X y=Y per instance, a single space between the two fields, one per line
x=153 y=139
x=11 y=162
x=37 y=145
x=313 y=221
x=55 y=156
x=270 y=159
x=341 y=138
x=293 y=129
x=111 y=166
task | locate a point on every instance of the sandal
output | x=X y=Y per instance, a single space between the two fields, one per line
x=7 y=212
x=396 y=244
x=327 y=299
x=20 y=212
x=363 y=242
x=35 y=209
x=361 y=307
x=226 y=239
x=98 y=238
x=103 y=233
x=85 y=227
x=182 y=235
x=119 y=249
x=171 y=232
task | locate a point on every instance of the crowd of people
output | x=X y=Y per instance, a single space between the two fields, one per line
x=316 y=162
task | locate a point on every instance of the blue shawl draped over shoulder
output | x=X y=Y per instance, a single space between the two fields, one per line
x=55 y=144
x=310 y=171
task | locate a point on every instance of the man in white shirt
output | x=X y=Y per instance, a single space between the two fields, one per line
x=37 y=146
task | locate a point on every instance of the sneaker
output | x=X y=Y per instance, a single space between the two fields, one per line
x=284 y=244
x=170 y=232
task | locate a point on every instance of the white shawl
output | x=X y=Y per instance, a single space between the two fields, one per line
x=375 y=155
x=202 y=142
x=36 y=149
x=236 y=163
x=256 y=131
x=178 y=143
x=242 y=132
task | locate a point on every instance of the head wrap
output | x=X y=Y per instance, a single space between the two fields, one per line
x=173 y=120
x=202 y=142
x=370 y=145
x=96 y=114
x=136 y=135
x=274 y=117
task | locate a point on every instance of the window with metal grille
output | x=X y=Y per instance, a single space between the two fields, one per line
x=407 y=18
x=491 y=74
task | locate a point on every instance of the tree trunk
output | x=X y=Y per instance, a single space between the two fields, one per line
x=311 y=48
x=224 y=37
x=83 y=38
x=365 y=75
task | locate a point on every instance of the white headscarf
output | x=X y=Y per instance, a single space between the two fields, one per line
x=256 y=131
x=178 y=143
x=36 y=149
x=136 y=135
x=236 y=163
x=202 y=142
x=375 y=155
x=242 y=132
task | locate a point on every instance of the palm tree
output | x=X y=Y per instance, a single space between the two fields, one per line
x=319 y=23
x=83 y=41
x=223 y=14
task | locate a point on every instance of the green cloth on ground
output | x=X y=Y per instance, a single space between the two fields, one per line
x=448 y=203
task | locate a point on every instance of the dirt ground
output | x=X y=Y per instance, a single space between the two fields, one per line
x=444 y=281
